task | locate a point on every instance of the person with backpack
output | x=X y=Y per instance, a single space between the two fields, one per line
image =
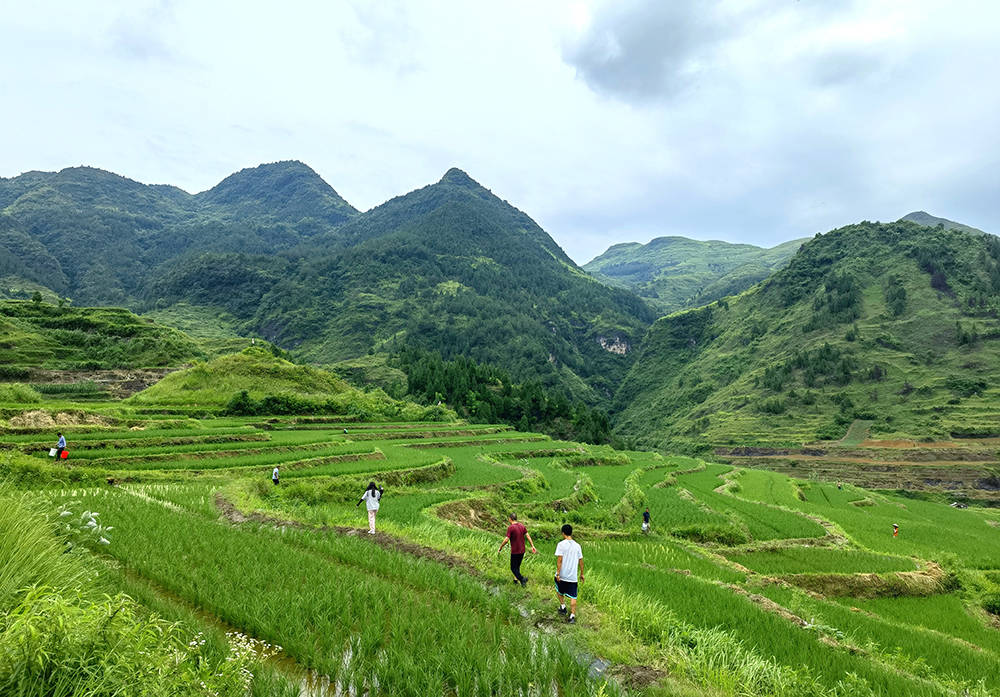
x=371 y=498
x=516 y=534
x=569 y=572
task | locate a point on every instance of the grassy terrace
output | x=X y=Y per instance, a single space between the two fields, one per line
x=720 y=598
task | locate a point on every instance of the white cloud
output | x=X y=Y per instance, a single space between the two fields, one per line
x=606 y=121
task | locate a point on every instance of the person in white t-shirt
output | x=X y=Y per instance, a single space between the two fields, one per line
x=274 y=476
x=371 y=497
x=569 y=572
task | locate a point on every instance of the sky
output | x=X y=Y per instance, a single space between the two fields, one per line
x=606 y=121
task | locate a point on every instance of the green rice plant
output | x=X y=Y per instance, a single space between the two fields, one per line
x=763 y=522
x=351 y=610
x=947 y=614
x=900 y=643
x=30 y=553
x=801 y=560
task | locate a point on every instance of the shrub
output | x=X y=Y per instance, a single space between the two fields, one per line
x=19 y=394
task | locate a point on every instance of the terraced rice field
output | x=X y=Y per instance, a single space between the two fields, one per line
x=720 y=598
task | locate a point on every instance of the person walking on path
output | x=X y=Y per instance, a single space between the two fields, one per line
x=371 y=497
x=645 y=520
x=516 y=534
x=274 y=475
x=60 y=446
x=569 y=571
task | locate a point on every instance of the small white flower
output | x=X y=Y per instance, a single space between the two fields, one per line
x=104 y=541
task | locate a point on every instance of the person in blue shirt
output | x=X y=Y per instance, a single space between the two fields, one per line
x=60 y=446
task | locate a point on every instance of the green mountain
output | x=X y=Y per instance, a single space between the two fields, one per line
x=922 y=218
x=674 y=273
x=895 y=324
x=273 y=251
x=96 y=236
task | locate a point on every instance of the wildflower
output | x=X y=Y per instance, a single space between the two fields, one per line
x=104 y=541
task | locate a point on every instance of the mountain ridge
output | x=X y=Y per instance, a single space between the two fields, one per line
x=280 y=254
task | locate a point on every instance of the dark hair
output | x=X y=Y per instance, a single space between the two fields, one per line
x=371 y=486
x=512 y=516
x=567 y=529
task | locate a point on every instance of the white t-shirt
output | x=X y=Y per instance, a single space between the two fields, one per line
x=274 y=474
x=371 y=499
x=571 y=555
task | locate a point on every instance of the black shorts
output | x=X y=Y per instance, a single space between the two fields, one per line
x=567 y=588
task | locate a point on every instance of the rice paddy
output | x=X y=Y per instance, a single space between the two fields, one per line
x=714 y=600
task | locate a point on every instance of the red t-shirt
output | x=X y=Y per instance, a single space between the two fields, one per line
x=516 y=533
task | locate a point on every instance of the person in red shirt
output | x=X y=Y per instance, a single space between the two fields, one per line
x=516 y=534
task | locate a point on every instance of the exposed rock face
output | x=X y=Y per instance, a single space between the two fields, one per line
x=614 y=344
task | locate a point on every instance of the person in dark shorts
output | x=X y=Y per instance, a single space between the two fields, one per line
x=275 y=477
x=516 y=534
x=569 y=572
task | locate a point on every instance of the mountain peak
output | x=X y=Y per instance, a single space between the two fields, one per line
x=925 y=218
x=288 y=189
x=457 y=177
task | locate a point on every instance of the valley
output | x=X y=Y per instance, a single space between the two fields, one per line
x=817 y=444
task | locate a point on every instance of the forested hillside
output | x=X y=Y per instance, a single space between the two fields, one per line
x=273 y=251
x=894 y=324
x=676 y=273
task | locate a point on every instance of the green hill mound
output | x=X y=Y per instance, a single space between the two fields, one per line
x=675 y=273
x=255 y=381
x=255 y=370
x=895 y=324
x=41 y=335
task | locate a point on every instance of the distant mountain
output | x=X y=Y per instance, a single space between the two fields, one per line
x=281 y=192
x=892 y=323
x=278 y=253
x=674 y=273
x=922 y=218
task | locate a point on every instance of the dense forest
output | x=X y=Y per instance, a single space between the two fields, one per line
x=485 y=394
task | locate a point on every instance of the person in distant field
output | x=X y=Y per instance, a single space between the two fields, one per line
x=345 y=431
x=60 y=446
x=274 y=476
x=895 y=530
x=645 y=520
x=516 y=534
x=371 y=497
x=569 y=572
